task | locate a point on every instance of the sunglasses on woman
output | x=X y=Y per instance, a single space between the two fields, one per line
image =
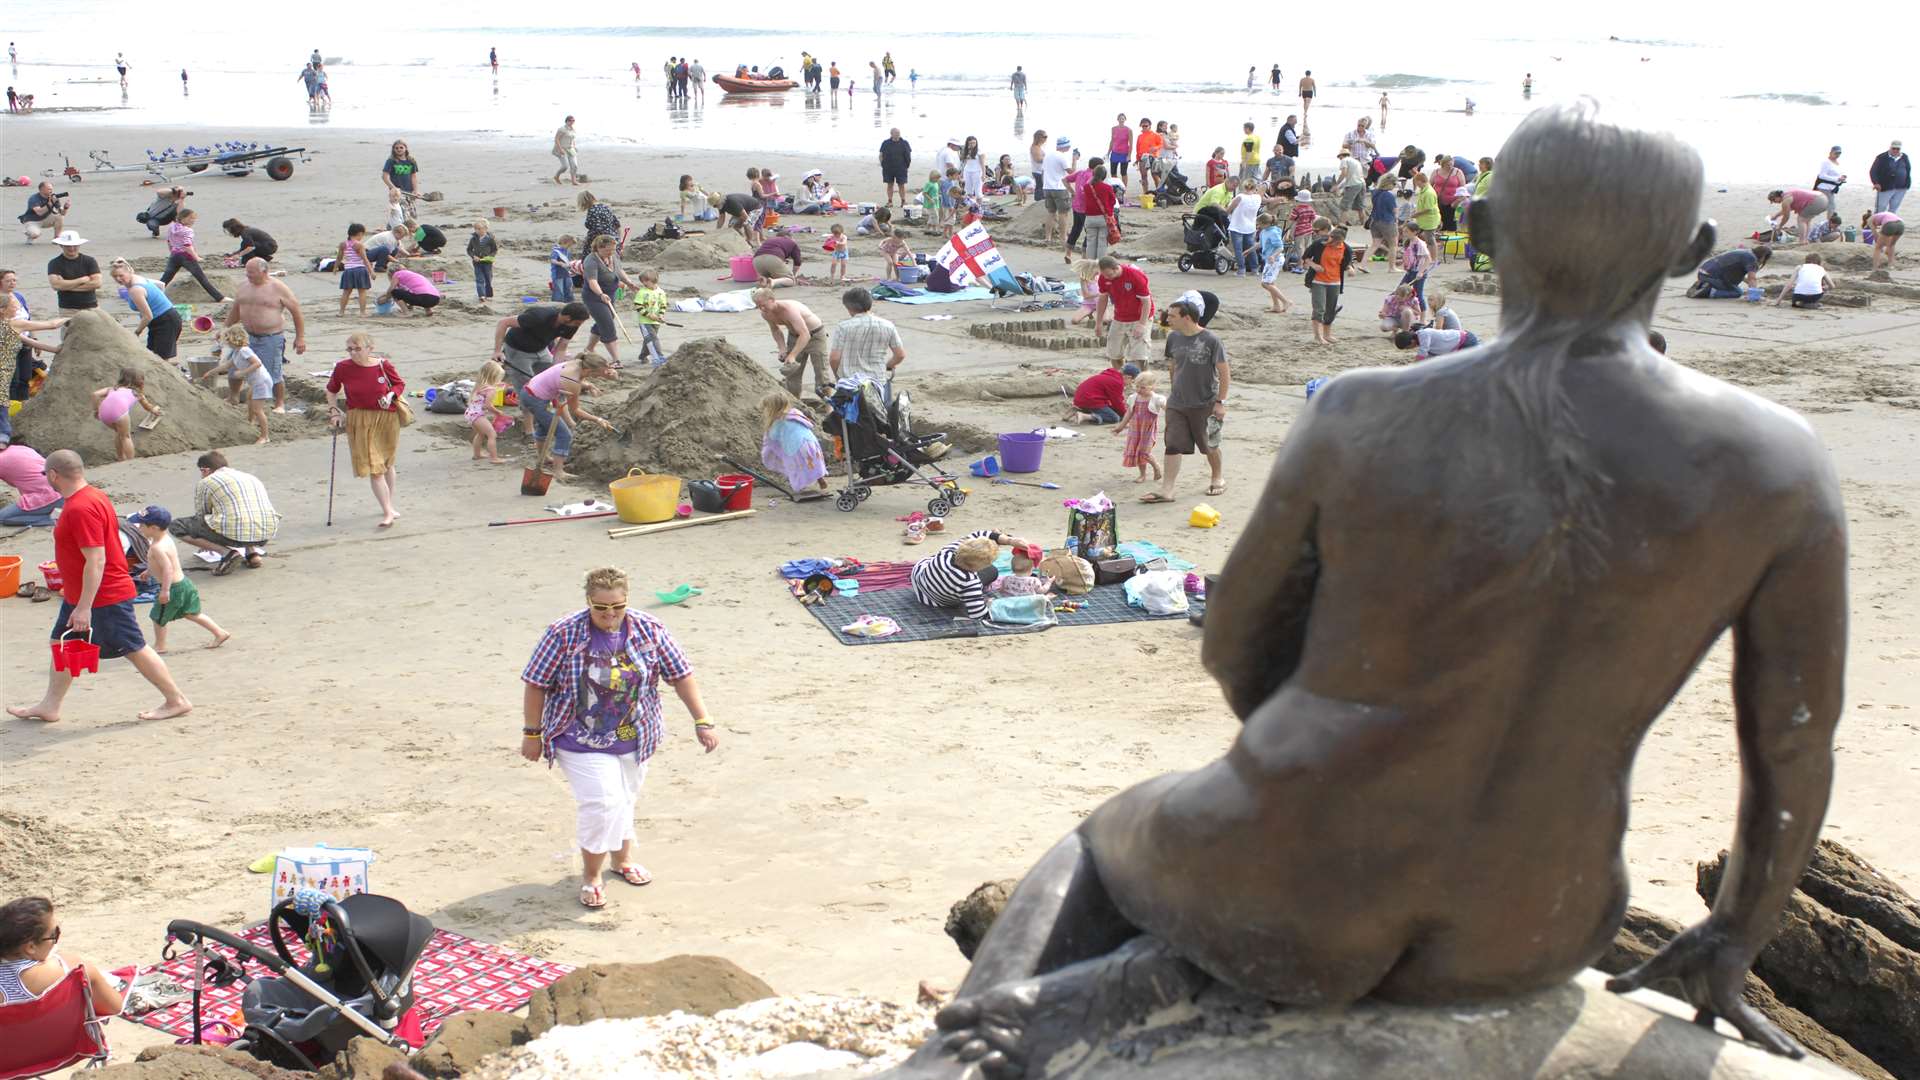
x=53 y=937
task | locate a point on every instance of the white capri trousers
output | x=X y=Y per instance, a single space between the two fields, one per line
x=606 y=787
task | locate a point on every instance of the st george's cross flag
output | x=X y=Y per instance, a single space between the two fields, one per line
x=971 y=258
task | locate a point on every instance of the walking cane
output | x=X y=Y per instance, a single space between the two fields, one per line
x=333 y=463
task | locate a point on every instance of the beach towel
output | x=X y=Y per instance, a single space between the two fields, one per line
x=936 y=298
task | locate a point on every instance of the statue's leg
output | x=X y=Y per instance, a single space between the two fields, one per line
x=1059 y=914
x=1060 y=966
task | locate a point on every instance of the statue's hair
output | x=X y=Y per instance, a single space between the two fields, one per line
x=1590 y=215
x=1588 y=219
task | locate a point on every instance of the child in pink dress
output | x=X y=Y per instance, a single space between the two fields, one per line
x=485 y=417
x=1141 y=426
x=114 y=405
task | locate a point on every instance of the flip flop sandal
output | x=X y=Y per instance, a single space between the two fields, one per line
x=635 y=875
x=227 y=563
x=1154 y=497
x=593 y=896
x=25 y=590
x=935 y=525
x=42 y=594
x=1217 y=489
x=916 y=533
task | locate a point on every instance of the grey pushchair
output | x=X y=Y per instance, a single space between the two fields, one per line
x=357 y=978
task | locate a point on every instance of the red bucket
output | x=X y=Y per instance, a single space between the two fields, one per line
x=51 y=571
x=737 y=488
x=74 y=657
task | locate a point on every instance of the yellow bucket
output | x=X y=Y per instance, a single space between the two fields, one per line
x=644 y=498
x=1146 y=202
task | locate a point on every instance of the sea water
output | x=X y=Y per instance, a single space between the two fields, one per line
x=399 y=70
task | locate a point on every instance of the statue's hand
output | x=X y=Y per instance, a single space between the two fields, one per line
x=1708 y=971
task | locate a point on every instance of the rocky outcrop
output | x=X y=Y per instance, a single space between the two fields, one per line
x=969 y=920
x=702 y=985
x=194 y=1063
x=1837 y=964
x=460 y=1043
x=1644 y=933
x=1577 y=1031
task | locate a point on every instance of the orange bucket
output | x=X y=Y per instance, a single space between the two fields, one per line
x=9 y=575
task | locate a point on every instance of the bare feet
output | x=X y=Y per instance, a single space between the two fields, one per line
x=34 y=712
x=997 y=1032
x=497 y=461
x=261 y=441
x=387 y=522
x=168 y=710
x=281 y=409
x=221 y=640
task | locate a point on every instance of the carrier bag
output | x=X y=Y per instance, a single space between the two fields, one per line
x=1071 y=574
x=1096 y=533
x=339 y=872
x=1161 y=592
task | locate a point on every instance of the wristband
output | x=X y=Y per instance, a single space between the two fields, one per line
x=698 y=724
x=531 y=731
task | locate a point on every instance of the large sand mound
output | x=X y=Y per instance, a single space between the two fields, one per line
x=702 y=404
x=94 y=350
x=183 y=289
x=709 y=252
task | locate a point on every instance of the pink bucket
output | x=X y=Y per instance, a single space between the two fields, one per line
x=742 y=267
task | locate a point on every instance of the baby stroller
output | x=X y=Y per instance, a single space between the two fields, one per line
x=875 y=425
x=1174 y=188
x=1207 y=247
x=357 y=978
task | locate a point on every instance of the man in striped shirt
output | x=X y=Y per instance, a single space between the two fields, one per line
x=956 y=576
x=231 y=513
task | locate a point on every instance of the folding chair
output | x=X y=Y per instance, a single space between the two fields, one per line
x=57 y=1029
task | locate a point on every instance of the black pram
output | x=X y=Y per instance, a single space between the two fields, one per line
x=875 y=426
x=1205 y=235
x=357 y=979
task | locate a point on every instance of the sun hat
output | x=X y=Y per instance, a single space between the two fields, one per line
x=158 y=516
x=1303 y=196
x=811 y=173
x=69 y=239
x=1062 y=143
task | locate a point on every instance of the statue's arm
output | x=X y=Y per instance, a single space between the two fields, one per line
x=1789 y=662
x=1257 y=619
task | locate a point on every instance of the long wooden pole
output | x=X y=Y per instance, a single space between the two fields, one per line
x=643 y=530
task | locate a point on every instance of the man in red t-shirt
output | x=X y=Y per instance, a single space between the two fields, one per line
x=1125 y=287
x=1101 y=398
x=96 y=593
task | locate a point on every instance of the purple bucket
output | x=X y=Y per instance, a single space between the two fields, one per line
x=1020 y=451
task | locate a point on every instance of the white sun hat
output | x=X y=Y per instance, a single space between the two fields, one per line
x=69 y=239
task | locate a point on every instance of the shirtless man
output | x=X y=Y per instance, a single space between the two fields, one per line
x=259 y=304
x=1307 y=90
x=799 y=337
x=1445 y=662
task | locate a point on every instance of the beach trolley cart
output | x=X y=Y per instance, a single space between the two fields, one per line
x=233 y=159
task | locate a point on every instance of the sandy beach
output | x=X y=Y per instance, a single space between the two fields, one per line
x=370 y=695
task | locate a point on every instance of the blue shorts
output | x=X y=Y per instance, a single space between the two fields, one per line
x=272 y=351
x=115 y=629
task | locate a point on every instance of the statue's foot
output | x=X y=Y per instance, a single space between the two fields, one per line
x=1002 y=1031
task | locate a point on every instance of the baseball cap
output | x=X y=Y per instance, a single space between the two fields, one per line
x=153 y=515
x=1062 y=143
x=1835 y=150
x=1130 y=370
x=1896 y=144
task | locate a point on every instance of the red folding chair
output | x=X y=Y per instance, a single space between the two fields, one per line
x=55 y=1030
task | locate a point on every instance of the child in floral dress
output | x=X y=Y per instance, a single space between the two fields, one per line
x=1141 y=426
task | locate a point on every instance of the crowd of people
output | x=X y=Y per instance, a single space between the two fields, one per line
x=591 y=689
